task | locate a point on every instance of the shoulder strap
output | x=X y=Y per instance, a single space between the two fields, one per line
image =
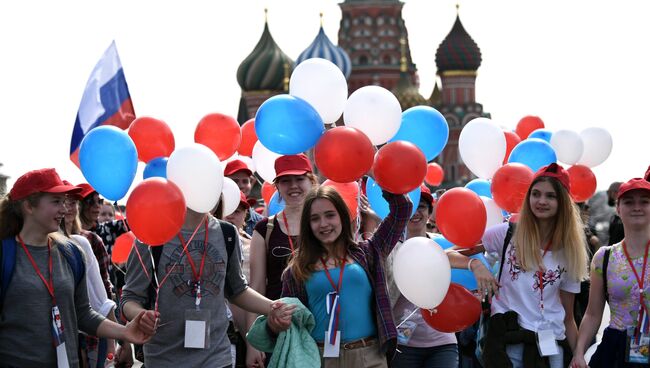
x=7 y=262
x=229 y=236
x=605 y=263
x=506 y=242
x=269 y=229
x=73 y=255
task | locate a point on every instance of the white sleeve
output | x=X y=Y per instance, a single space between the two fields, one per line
x=493 y=238
x=96 y=293
x=567 y=283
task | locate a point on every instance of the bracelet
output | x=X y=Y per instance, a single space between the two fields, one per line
x=469 y=264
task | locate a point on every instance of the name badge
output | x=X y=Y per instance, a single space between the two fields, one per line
x=637 y=347
x=332 y=350
x=197 y=329
x=59 y=339
x=546 y=342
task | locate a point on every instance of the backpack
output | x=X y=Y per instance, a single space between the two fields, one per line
x=70 y=251
x=605 y=263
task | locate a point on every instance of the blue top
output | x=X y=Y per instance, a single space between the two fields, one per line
x=357 y=318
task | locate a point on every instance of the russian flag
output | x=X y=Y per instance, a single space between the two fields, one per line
x=106 y=100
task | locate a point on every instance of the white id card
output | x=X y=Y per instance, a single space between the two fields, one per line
x=546 y=343
x=329 y=350
x=62 y=356
x=197 y=329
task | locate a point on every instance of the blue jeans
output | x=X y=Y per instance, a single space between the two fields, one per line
x=443 y=356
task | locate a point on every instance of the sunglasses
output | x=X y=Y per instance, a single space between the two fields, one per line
x=91 y=201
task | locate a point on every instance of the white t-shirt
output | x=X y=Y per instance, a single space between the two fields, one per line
x=520 y=290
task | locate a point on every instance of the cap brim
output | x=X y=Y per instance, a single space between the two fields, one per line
x=63 y=189
x=247 y=171
x=290 y=172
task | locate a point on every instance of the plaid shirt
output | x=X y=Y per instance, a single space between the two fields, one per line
x=371 y=255
x=102 y=257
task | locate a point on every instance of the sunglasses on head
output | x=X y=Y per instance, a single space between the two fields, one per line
x=91 y=201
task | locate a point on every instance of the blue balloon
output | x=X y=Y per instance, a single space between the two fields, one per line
x=108 y=160
x=288 y=125
x=275 y=204
x=480 y=187
x=380 y=205
x=541 y=133
x=156 y=168
x=425 y=127
x=534 y=153
x=463 y=277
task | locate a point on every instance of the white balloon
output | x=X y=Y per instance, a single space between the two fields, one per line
x=199 y=174
x=422 y=272
x=264 y=160
x=494 y=214
x=567 y=145
x=597 y=146
x=322 y=85
x=375 y=111
x=231 y=196
x=482 y=146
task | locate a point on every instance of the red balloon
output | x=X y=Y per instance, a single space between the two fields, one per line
x=156 y=211
x=248 y=138
x=267 y=192
x=399 y=167
x=510 y=184
x=221 y=133
x=152 y=138
x=512 y=139
x=458 y=310
x=349 y=192
x=122 y=247
x=461 y=216
x=344 y=154
x=583 y=182
x=527 y=125
x=435 y=174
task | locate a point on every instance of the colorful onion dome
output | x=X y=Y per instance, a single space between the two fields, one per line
x=323 y=48
x=458 y=51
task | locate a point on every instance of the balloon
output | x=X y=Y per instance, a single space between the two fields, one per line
x=248 y=138
x=460 y=276
x=231 y=196
x=425 y=127
x=375 y=111
x=480 y=187
x=322 y=85
x=122 y=247
x=220 y=133
x=567 y=145
x=156 y=168
x=349 y=192
x=527 y=125
x=156 y=209
x=512 y=139
x=482 y=146
x=457 y=311
x=264 y=161
x=583 y=183
x=493 y=211
x=422 y=272
x=152 y=138
x=380 y=205
x=267 y=191
x=461 y=216
x=435 y=174
x=276 y=204
x=288 y=125
x=344 y=154
x=510 y=184
x=597 y=146
x=534 y=153
x=399 y=167
x=198 y=173
x=108 y=160
x=543 y=134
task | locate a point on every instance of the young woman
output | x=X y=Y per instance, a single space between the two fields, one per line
x=330 y=269
x=106 y=212
x=275 y=238
x=42 y=295
x=624 y=287
x=545 y=260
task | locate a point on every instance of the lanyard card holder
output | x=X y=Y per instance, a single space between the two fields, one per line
x=59 y=339
x=546 y=343
x=406 y=328
x=332 y=344
x=197 y=329
x=637 y=346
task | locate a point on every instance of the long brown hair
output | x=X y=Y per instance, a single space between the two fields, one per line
x=11 y=214
x=311 y=249
x=567 y=233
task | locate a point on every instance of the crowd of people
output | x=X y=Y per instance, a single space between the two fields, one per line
x=312 y=285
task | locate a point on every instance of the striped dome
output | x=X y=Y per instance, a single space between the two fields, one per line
x=458 y=51
x=263 y=69
x=323 y=48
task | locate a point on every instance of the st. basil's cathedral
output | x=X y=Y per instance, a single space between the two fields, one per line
x=373 y=49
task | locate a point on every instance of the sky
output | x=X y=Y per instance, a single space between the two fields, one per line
x=576 y=64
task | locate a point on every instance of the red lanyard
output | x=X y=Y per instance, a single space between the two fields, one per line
x=540 y=273
x=329 y=277
x=286 y=224
x=197 y=276
x=49 y=285
x=641 y=279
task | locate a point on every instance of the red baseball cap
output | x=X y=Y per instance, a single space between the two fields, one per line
x=425 y=193
x=40 y=181
x=647 y=174
x=86 y=190
x=243 y=201
x=292 y=165
x=236 y=165
x=555 y=171
x=632 y=184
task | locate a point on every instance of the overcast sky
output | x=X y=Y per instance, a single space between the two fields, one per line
x=576 y=64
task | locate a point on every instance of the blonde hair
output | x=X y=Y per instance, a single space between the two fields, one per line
x=567 y=234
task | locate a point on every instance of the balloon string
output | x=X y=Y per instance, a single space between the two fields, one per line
x=119 y=212
x=175 y=264
x=359 y=234
x=407 y=318
x=141 y=263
